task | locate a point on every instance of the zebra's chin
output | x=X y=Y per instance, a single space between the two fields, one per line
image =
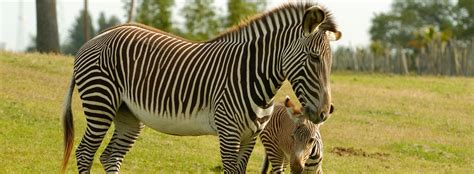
x=198 y=123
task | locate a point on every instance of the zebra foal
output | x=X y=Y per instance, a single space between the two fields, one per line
x=134 y=76
x=290 y=138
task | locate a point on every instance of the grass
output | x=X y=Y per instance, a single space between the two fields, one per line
x=382 y=124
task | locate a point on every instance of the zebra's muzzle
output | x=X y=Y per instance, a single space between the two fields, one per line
x=325 y=114
x=318 y=117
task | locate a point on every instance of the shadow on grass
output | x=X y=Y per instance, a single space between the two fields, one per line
x=217 y=169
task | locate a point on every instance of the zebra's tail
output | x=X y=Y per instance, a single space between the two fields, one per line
x=265 y=165
x=68 y=126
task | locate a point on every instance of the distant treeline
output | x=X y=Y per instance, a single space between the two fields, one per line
x=417 y=37
x=453 y=58
x=203 y=19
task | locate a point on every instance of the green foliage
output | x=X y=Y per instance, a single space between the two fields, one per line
x=104 y=23
x=76 y=34
x=465 y=24
x=241 y=9
x=377 y=48
x=201 y=19
x=156 y=13
x=412 y=23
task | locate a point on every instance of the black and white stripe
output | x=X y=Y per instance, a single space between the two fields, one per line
x=290 y=138
x=135 y=75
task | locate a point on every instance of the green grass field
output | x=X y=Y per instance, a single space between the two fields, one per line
x=382 y=124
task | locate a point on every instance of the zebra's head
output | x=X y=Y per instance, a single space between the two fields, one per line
x=305 y=137
x=307 y=64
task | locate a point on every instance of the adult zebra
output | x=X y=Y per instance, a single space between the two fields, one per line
x=134 y=75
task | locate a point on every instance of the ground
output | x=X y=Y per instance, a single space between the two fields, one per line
x=382 y=124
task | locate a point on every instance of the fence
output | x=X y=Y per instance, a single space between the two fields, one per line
x=436 y=58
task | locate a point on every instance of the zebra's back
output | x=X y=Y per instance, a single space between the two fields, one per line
x=165 y=81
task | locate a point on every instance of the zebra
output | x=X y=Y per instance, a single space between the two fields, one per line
x=133 y=75
x=291 y=138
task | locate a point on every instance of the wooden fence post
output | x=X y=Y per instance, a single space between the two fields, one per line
x=355 y=64
x=404 y=66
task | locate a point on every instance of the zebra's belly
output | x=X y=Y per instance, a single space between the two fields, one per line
x=199 y=123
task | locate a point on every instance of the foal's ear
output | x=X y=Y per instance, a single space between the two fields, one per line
x=312 y=18
x=290 y=105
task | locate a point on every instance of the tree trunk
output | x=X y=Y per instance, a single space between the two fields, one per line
x=130 y=11
x=47 y=39
x=86 y=23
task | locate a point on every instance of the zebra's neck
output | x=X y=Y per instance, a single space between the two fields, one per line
x=260 y=43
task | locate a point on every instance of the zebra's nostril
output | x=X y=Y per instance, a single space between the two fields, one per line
x=331 y=109
x=322 y=116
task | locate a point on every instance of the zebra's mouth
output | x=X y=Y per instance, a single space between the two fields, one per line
x=310 y=113
x=315 y=116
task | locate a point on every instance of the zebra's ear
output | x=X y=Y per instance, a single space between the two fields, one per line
x=333 y=36
x=312 y=18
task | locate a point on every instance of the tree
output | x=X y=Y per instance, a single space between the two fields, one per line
x=104 y=23
x=46 y=26
x=156 y=13
x=130 y=9
x=465 y=25
x=241 y=9
x=201 y=21
x=409 y=18
x=86 y=22
x=76 y=34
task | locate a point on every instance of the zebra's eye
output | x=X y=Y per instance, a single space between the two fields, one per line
x=314 y=56
x=311 y=140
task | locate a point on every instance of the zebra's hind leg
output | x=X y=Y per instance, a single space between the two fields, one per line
x=99 y=116
x=127 y=130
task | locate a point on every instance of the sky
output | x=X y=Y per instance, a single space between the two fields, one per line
x=352 y=16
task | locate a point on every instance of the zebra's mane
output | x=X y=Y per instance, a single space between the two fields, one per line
x=328 y=24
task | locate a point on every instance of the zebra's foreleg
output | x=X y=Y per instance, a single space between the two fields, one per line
x=246 y=148
x=127 y=130
x=229 y=148
x=314 y=163
x=277 y=160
